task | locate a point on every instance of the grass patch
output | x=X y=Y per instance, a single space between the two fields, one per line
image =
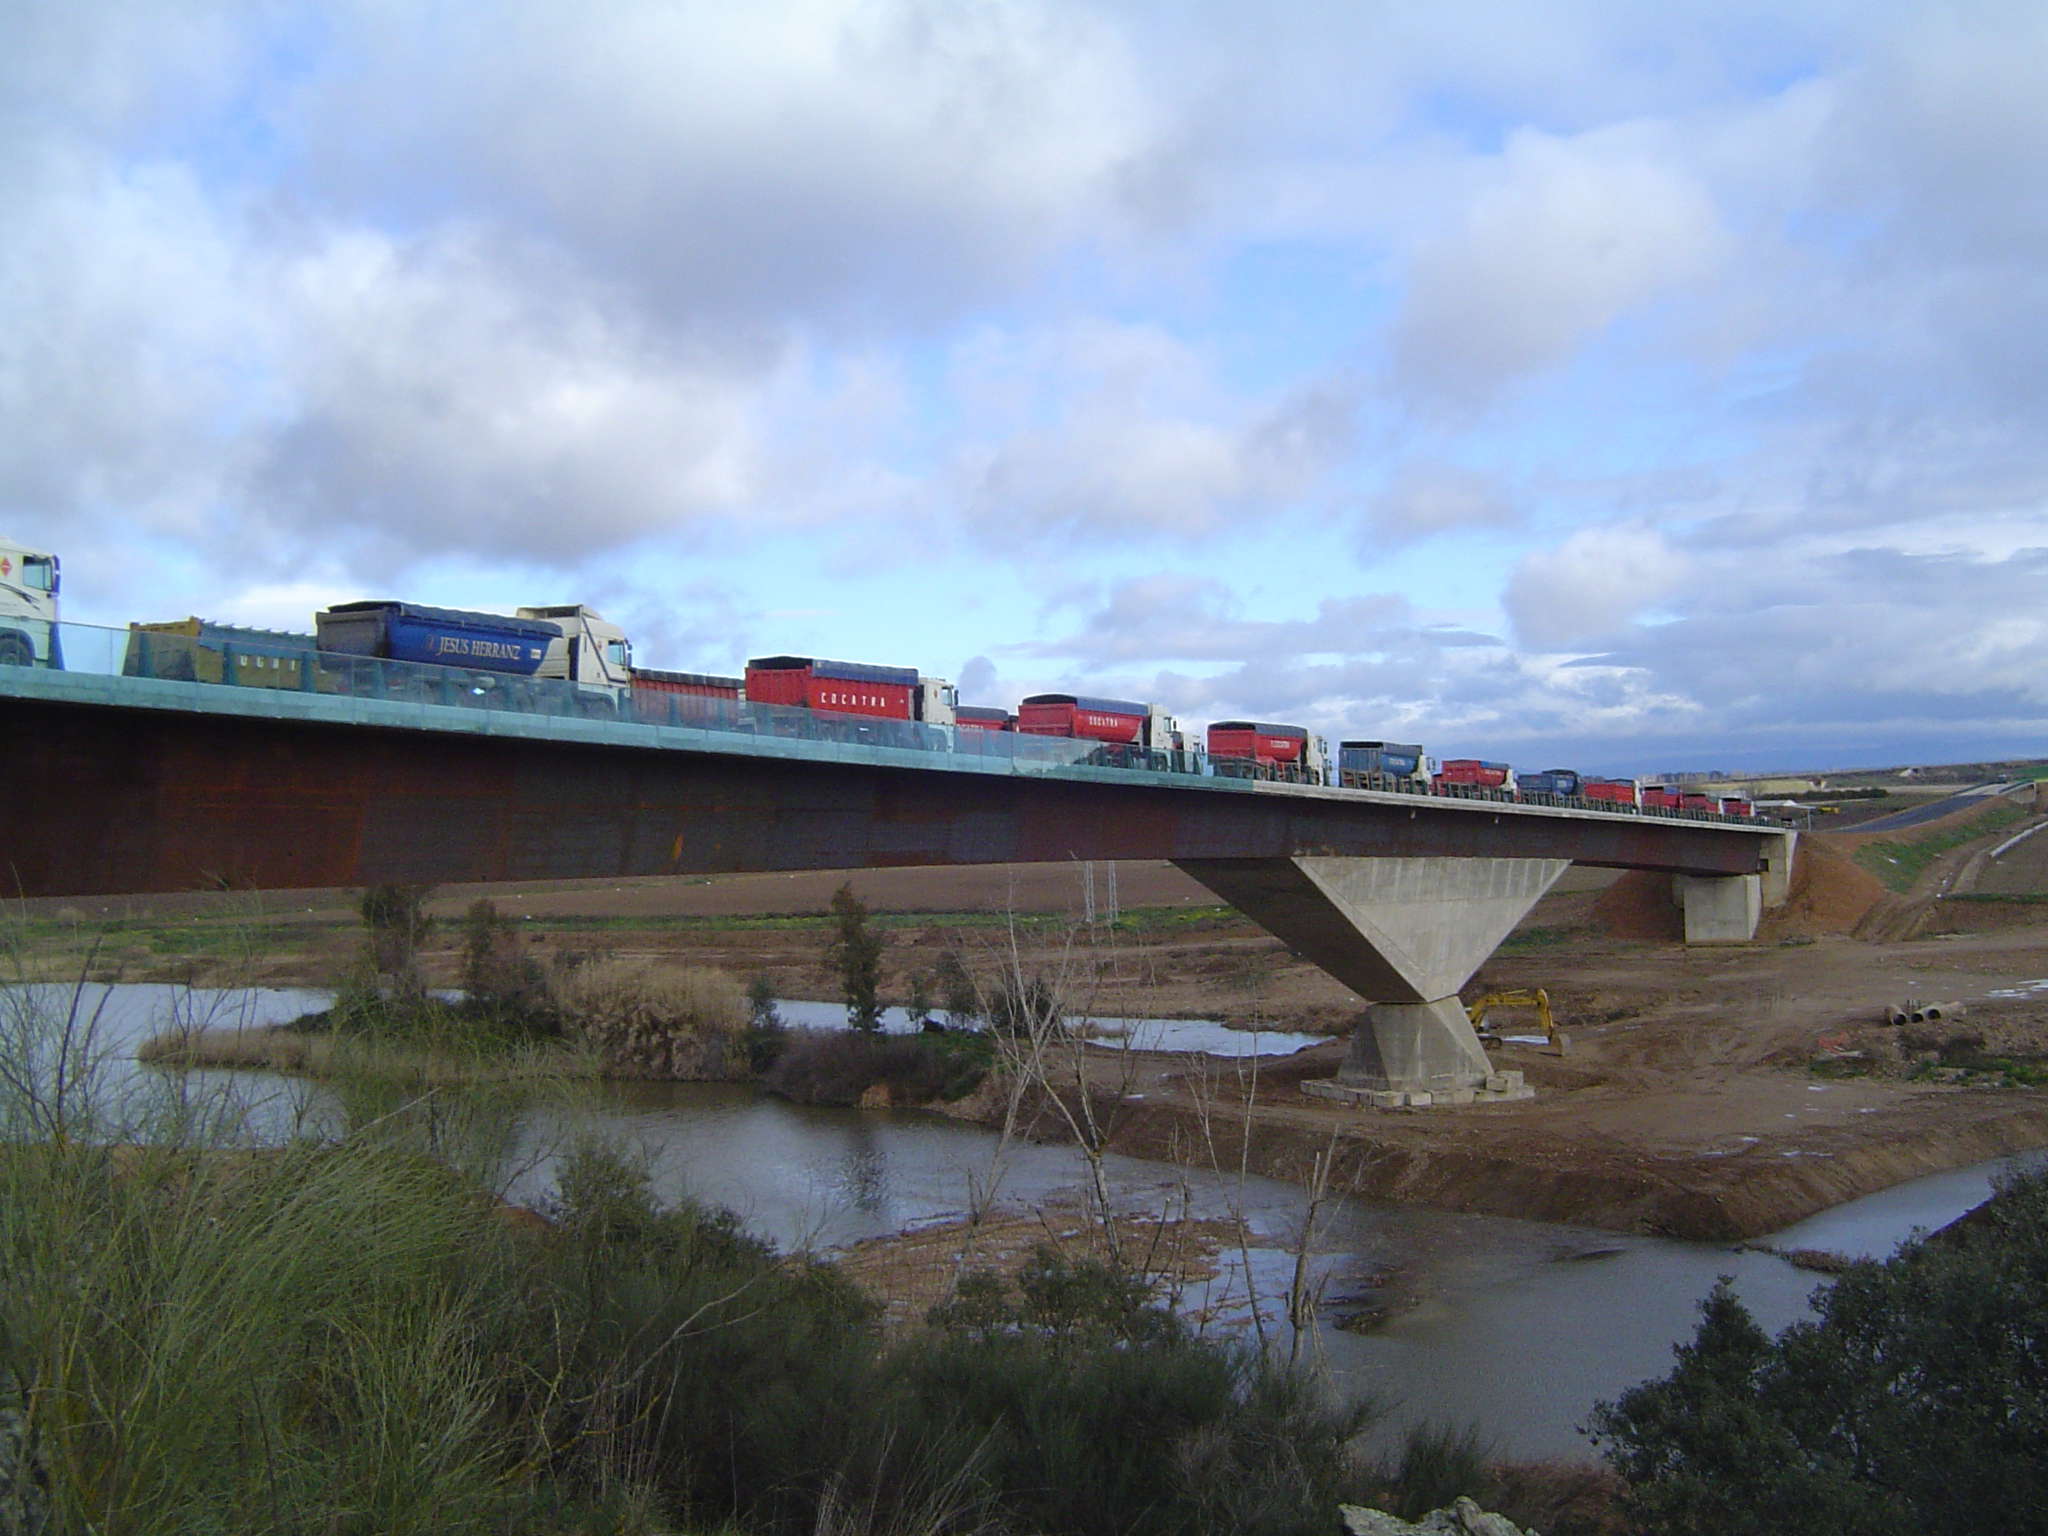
x=1132 y=920
x=325 y=1053
x=1537 y=938
x=1898 y=864
x=1980 y=1070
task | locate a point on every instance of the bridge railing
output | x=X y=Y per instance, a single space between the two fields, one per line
x=230 y=656
x=249 y=659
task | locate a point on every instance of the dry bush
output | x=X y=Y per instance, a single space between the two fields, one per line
x=652 y=1020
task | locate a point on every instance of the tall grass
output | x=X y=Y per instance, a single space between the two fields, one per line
x=346 y=1333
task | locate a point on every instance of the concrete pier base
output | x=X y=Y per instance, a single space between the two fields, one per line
x=1408 y=932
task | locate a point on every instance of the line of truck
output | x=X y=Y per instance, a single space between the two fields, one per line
x=571 y=647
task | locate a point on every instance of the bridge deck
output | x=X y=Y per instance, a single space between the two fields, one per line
x=132 y=783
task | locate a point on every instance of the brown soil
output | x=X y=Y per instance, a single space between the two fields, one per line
x=1689 y=1103
x=913 y=1271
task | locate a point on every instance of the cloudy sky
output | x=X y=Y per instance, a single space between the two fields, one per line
x=1585 y=381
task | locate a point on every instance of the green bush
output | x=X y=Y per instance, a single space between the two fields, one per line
x=1915 y=1401
x=823 y=1066
x=1090 y=1409
x=1437 y=1463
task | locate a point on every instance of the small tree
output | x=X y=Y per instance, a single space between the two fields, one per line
x=958 y=994
x=767 y=1035
x=398 y=925
x=855 y=957
x=496 y=977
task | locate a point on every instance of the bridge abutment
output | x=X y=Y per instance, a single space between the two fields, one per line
x=1725 y=909
x=1406 y=932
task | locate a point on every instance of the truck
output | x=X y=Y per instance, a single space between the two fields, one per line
x=851 y=688
x=29 y=580
x=442 y=637
x=1131 y=734
x=1383 y=764
x=1257 y=749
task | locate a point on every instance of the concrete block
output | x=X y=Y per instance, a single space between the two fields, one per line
x=1513 y=1083
x=1420 y=1098
x=1497 y=1082
x=1454 y=1097
x=1388 y=1099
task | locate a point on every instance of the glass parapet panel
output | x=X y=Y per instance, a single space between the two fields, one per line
x=229 y=657
x=327 y=684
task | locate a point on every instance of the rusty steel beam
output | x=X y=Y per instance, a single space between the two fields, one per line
x=108 y=800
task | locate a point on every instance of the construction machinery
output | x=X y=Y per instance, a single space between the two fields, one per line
x=1519 y=997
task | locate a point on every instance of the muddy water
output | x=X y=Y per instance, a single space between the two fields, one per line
x=1518 y=1327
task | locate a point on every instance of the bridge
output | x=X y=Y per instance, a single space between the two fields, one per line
x=377 y=771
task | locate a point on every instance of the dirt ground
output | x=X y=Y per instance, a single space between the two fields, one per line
x=1708 y=1093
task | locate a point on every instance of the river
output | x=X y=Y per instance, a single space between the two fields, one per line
x=1518 y=1327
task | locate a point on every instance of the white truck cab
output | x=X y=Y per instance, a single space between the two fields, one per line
x=593 y=651
x=29 y=579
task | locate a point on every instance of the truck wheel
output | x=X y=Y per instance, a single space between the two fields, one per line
x=15 y=651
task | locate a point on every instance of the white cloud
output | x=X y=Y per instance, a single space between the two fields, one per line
x=849 y=162
x=1594 y=581
x=444 y=398
x=1428 y=497
x=1117 y=432
x=1563 y=237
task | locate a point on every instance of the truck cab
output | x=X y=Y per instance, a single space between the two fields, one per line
x=29 y=579
x=593 y=651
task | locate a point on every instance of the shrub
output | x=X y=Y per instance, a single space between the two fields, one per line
x=651 y=1021
x=398 y=925
x=1911 y=1403
x=767 y=1036
x=1438 y=1462
x=496 y=978
x=1091 y=1409
x=819 y=1066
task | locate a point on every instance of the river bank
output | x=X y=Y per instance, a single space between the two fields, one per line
x=907 y=1200
x=1710 y=1094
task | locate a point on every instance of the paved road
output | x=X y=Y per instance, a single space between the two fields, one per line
x=1934 y=810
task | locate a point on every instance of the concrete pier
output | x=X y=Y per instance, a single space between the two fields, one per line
x=1406 y=932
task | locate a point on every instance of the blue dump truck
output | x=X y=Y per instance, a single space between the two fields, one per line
x=442 y=637
x=1561 y=783
x=1361 y=762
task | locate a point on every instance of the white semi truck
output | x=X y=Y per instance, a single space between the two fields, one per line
x=28 y=607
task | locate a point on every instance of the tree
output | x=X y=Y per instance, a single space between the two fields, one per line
x=855 y=957
x=398 y=925
x=496 y=977
x=1917 y=1400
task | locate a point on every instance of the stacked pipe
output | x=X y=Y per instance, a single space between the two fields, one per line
x=1924 y=1013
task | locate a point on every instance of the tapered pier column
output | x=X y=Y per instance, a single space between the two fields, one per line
x=1404 y=932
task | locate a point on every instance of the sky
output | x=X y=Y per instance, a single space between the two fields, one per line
x=1576 y=383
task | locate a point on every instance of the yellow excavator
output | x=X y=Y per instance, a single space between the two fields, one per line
x=1520 y=997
